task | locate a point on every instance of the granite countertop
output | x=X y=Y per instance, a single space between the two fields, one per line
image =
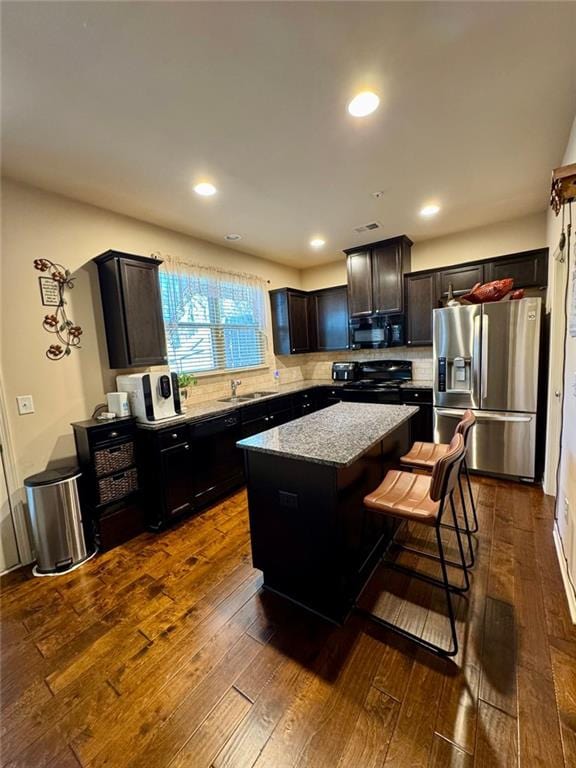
x=424 y=384
x=201 y=410
x=336 y=436
x=196 y=411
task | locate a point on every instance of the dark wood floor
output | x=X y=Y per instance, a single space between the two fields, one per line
x=166 y=653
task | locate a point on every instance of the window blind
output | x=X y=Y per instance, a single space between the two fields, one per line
x=214 y=320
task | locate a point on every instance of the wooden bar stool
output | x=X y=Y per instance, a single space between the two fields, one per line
x=423 y=499
x=425 y=455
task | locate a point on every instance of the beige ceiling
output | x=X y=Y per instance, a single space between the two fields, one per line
x=125 y=105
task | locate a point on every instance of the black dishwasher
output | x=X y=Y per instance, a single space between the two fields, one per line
x=216 y=462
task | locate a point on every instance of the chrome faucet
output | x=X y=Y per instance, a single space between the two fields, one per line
x=234 y=384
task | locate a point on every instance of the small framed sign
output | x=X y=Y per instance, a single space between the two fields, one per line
x=50 y=291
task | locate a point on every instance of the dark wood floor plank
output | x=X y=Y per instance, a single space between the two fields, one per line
x=371 y=736
x=447 y=755
x=540 y=741
x=413 y=735
x=564 y=668
x=499 y=657
x=162 y=744
x=496 y=739
x=164 y=652
x=201 y=749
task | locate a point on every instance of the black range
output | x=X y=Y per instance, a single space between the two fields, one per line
x=378 y=381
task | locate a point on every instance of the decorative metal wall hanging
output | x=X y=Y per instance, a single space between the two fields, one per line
x=52 y=289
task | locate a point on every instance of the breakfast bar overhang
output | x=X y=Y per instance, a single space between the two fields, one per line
x=312 y=538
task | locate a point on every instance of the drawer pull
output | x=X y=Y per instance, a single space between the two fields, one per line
x=175 y=435
x=113 y=434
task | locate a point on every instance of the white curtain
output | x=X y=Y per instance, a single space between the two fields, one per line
x=215 y=319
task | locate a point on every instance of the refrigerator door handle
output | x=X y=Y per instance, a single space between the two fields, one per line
x=484 y=379
x=485 y=417
x=476 y=347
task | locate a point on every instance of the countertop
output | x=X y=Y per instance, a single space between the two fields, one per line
x=202 y=410
x=336 y=436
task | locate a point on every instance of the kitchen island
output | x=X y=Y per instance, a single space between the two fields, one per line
x=311 y=535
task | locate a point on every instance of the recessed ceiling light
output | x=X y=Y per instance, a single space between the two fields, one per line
x=317 y=242
x=232 y=236
x=429 y=210
x=363 y=104
x=205 y=189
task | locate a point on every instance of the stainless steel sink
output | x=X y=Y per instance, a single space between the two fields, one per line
x=255 y=395
x=245 y=398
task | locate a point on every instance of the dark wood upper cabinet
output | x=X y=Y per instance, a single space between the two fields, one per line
x=390 y=261
x=462 y=279
x=290 y=321
x=329 y=309
x=130 y=290
x=359 y=269
x=420 y=301
x=528 y=269
x=375 y=277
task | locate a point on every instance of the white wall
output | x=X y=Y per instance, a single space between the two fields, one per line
x=499 y=239
x=560 y=351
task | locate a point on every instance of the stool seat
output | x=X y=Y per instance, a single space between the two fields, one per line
x=405 y=495
x=424 y=455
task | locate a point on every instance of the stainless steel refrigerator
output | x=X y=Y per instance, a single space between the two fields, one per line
x=486 y=358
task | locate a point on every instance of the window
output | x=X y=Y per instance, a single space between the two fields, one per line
x=214 y=320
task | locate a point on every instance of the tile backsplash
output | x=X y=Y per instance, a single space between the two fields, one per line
x=292 y=368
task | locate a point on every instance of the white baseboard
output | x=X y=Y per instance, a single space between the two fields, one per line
x=568 y=588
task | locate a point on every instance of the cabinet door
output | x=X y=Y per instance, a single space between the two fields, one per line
x=299 y=323
x=176 y=479
x=387 y=278
x=143 y=319
x=462 y=279
x=528 y=270
x=359 y=268
x=420 y=301
x=331 y=318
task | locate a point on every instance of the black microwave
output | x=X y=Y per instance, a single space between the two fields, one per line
x=377 y=332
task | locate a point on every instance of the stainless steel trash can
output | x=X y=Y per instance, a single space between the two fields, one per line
x=56 y=520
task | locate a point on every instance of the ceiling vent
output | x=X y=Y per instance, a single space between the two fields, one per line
x=368 y=227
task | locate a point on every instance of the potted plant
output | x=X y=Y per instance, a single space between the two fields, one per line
x=185 y=380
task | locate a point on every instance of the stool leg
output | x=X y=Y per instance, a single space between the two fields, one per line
x=447 y=591
x=460 y=547
x=467 y=529
x=472 y=502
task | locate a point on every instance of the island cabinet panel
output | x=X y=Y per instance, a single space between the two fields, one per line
x=311 y=535
x=130 y=290
x=329 y=309
x=420 y=301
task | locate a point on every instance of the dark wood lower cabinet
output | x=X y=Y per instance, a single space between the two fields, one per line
x=176 y=480
x=421 y=425
x=187 y=467
x=200 y=466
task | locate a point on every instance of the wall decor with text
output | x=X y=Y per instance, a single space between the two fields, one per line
x=52 y=292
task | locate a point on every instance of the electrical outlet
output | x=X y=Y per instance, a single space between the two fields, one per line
x=566 y=510
x=25 y=404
